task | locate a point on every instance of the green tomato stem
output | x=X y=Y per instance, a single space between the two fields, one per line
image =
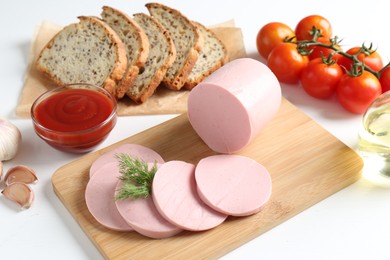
x=357 y=66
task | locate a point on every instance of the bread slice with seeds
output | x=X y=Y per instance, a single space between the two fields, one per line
x=162 y=54
x=212 y=56
x=136 y=43
x=85 y=52
x=186 y=38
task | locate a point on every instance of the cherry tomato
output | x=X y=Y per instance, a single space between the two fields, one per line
x=319 y=79
x=356 y=93
x=286 y=62
x=384 y=79
x=270 y=35
x=319 y=51
x=304 y=27
x=373 y=60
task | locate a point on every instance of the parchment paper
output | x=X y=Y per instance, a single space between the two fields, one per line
x=164 y=101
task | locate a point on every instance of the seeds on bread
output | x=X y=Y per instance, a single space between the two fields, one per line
x=212 y=56
x=162 y=54
x=135 y=41
x=186 y=38
x=85 y=52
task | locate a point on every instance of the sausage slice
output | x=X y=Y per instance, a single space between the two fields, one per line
x=175 y=196
x=141 y=214
x=100 y=197
x=134 y=150
x=233 y=184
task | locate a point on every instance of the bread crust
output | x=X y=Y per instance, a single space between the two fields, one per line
x=178 y=80
x=157 y=78
x=134 y=66
x=117 y=72
x=121 y=64
x=191 y=83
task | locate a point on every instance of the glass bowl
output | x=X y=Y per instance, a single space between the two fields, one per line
x=74 y=118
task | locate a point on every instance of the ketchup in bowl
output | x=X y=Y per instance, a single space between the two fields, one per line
x=74 y=118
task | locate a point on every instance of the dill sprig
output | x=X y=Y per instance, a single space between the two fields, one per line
x=136 y=177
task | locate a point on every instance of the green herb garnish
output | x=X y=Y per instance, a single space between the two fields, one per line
x=136 y=177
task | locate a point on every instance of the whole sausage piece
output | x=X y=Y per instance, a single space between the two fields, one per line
x=232 y=105
x=175 y=196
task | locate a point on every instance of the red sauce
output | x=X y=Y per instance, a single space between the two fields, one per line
x=73 y=110
x=76 y=120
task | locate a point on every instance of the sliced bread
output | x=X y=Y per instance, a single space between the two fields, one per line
x=162 y=54
x=136 y=43
x=85 y=52
x=211 y=57
x=186 y=38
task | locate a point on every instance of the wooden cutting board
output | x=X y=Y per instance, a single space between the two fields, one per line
x=307 y=164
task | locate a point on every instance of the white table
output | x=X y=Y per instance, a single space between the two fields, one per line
x=352 y=224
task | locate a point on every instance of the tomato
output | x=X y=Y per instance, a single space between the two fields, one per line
x=319 y=79
x=304 y=27
x=286 y=62
x=373 y=60
x=319 y=51
x=270 y=35
x=384 y=79
x=356 y=93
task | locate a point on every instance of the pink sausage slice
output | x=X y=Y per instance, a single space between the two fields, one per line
x=175 y=196
x=233 y=184
x=134 y=150
x=100 y=197
x=232 y=105
x=141 y=214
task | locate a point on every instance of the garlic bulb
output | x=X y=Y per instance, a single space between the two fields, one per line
x=10 y=138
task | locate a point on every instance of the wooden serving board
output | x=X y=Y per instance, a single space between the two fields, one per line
x=307 y=164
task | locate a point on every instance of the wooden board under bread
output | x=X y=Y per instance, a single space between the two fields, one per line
x=307 y=164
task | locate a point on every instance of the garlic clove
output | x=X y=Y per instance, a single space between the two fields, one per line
x=20 y=193
x=10 y=139
x=20 y=173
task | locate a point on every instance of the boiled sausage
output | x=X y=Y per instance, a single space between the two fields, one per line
x=100 y=197
x=134 y=150
x=232 y=105
x=175 y=196
x=233 y=184
x=141 y=214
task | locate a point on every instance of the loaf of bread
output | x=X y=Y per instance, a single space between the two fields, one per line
x=212 y=56
x=162 y=54
x=186 y=38
x=135 y=41
x=85 y=52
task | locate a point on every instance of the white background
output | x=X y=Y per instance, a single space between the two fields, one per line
x=352 y=224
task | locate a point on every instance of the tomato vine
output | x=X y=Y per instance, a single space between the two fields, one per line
x=304 y=47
